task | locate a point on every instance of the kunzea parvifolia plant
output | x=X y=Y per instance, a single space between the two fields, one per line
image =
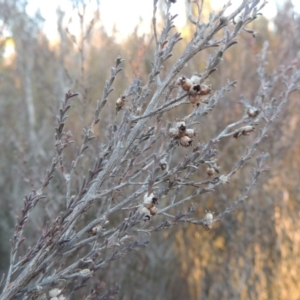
x=146 y=175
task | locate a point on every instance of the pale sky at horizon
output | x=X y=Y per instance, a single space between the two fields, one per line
x=125 y=15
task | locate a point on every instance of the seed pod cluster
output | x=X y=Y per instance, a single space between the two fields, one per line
x=193 y=87
x=181 y=133
x=148 y=209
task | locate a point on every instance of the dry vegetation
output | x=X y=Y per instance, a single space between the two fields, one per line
x=162 y=167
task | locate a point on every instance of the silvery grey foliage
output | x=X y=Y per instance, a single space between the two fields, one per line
x=136 y=176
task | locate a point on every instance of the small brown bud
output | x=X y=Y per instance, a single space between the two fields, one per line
x=252 y=112
x=205 y=90
x=210 y=171
x=153 y=211
x=195 y=99
x=120 y=102
x=185 y=83
x=185 y=141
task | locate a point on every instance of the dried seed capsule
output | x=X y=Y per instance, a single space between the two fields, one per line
x=153 y=211
x=180 y=124
x=163 y=164
x=149 y=201
x=210 y=171
x=185 y=83
x=95 y=230
x=209 y=216
x=196 y=79
x=205 y=90
x=144 y=212
x=246 y=130
x=208 y=220
x=181 y=128
x=252 y=112
x=195 y=99
x=190 y=133
x=173 y=132
x=120 y=102
x=195 y=89
x=185 y=141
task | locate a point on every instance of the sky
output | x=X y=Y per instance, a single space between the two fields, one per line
x=124 y=15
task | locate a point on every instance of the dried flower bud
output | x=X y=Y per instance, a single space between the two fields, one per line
x=208 y=219
x=205 y=90
x=149 y=201
x=153 y=211
x=252 y=112
x=145 y=213
x=181 y=132
x=163 y=164
x=190 y=133
x=210 y=171
x=246 y=130
x=209 y=216
x=173 y=132
x=54 y=292
x=185 y=83
x=195 y=99
x=120 y=102
x=95 y=230
x=196 y=79
x=195 y=89
x=181 y=125
x=185 y=141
